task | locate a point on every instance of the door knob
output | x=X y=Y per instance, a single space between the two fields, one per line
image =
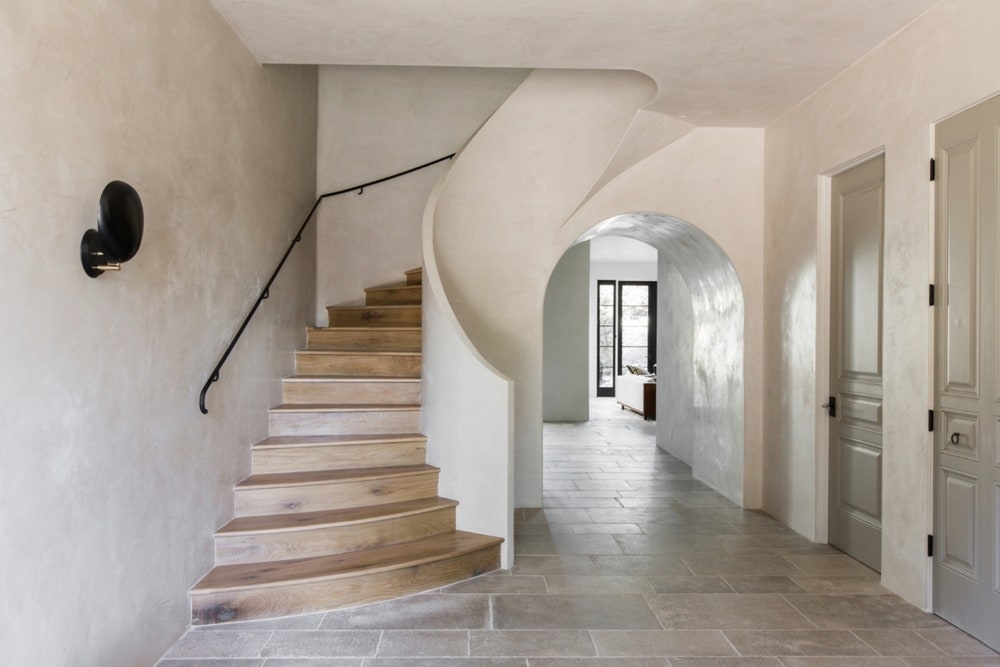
x=955 y=437
x=831 y=406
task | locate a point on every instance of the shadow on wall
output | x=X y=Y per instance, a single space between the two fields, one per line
x=700 y=347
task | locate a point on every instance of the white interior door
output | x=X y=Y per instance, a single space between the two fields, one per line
x=857 y=205
x=967 y=433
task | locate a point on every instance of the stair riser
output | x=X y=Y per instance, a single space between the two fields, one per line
x=345 y=422
x=374 y=317
x=404 y=340
x=358 y=365
x=338 y=539
x=415 y=277
x=374 y=455
x=333 y=594
x=404 y=296
x=350 y=393
x=335 y=495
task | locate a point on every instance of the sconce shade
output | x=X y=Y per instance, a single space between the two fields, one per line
x=118 y=233
x=119 y=221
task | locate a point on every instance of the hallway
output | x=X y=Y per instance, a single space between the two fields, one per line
x=631 y=563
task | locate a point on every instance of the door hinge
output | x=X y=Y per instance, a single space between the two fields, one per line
x=930 y=546
x=930 y=421
x=932 y=294
x=933 y=169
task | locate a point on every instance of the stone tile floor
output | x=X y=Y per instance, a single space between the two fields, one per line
x=633 y=563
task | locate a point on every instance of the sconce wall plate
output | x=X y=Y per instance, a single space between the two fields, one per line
x=118 y=233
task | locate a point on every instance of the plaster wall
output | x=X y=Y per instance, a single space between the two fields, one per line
x=608 y=271
x=565 y=338
x=112 y=482
x=711 y=178
x=508 y=192
x=675 y=332
x=377 y=121
x=889 y=100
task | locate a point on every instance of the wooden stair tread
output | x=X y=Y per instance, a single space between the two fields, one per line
x=362 y=353
x=338 y=566
x=346 y=407
x=311 y=477
x=349 y=378
x=394 y=287
x=395 y=306
x=365 y=329
x=282 y=441
x=326 y=518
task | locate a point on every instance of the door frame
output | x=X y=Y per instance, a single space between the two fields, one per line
x=824 y=248
x=606 y=391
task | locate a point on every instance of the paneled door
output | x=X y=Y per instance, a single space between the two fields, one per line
x=636 y=325
x=606 y=337
x=855 y=406
x=967 y=407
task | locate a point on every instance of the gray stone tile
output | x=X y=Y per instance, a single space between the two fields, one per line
x=953 y=641
x=797 y=642
x=527 y=643
x=444 y=662
x=435 y=611
x=572 y=612
x=597 y=584
x=598 y=662
x=868 y=585
x=553 y=565
x=862 y=612
x=898 y=642
x=219 y=644
x=302 y=622
x=584 y=502
x=726 y=611
x=424 y=643
x=555 y=515
x=853 y=661
x=668 y=544
x=691 y=584
x=309 y=662
x=775 y=584
x=829 y=565
x=740 y=565
x=952 y=661
x=762 y=544
x=640 y=565
x=597 y=528
x=637 y=643
x=497 y=583
x=321 y=644
x=725 y=662
x=222 y=662
x=566 y=543
x=626 y=515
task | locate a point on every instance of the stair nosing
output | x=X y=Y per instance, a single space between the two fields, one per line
x=338 y=440
x=366 y=329
x=348 y=475
x=289 y=408
x=401 y=379
x=379 y=513
x=400 y=562
x=392 y=306
x=368 y=353
x=389 y=288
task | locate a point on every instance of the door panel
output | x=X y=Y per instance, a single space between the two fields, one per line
x=856 y=362
x=606 y=338
x=967 y=509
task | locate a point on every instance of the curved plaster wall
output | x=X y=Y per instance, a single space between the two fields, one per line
x=700 y=347
x=516 y=199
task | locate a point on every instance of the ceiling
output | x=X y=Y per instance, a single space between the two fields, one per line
x=715 y=62
x=620 y=249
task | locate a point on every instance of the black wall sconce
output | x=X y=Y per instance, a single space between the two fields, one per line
x=118 y=233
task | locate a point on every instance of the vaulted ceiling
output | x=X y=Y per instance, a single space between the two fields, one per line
x=715 y=62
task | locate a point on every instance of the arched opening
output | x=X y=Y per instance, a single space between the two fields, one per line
x=699 y=346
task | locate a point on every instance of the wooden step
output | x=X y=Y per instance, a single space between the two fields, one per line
x=327 y=452
x=415 y=276
x=333 y=419
x=374 y=316
x=393 y=295
x=358 y=363
x=308 y=534
x=266 y=590
x=349 y=390
x=387 y=339
x=317 y=490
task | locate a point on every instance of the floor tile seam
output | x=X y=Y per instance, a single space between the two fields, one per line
x=378 y=644
x=799 y=611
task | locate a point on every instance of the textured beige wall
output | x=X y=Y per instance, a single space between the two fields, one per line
x=377 y=121
x=940 y=64
x=111 y=481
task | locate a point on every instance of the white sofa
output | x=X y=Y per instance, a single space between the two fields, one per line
x=637 y=393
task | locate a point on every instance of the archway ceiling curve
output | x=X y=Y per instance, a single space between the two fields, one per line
x=737 y=63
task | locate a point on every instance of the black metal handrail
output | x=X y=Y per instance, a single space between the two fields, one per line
x=265 y=293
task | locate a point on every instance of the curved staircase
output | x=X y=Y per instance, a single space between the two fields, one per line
x=341 y=508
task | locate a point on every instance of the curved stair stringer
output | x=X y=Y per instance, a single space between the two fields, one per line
x=491 y=226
